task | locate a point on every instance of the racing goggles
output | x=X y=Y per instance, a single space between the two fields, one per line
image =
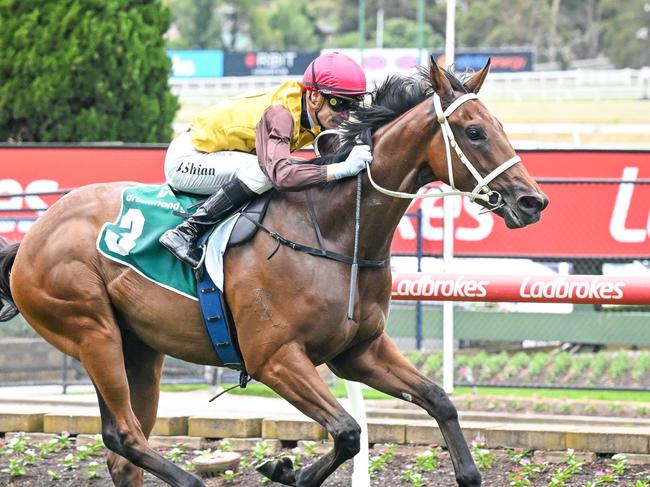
x=343 y=103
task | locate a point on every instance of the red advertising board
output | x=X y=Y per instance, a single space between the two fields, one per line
x=576 y=289
x=582 y=220
x=43 y=170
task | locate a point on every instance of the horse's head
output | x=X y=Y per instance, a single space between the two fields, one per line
x=477 y=152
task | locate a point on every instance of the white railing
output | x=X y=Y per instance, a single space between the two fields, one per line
x=631 y=84
x=579 y=84
x=577 y=131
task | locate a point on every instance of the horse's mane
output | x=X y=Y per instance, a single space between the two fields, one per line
x=394 y=97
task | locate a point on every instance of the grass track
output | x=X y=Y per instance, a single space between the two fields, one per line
x=339 y=391
x=607 y=112
x=604 y=112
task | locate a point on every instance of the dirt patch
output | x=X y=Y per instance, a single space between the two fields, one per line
x=390 y=464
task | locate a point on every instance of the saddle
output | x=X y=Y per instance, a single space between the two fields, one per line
x=254 y=212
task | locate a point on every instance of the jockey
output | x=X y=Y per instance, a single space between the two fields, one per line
x=240 y=148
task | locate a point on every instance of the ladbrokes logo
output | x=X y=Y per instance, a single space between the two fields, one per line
x=562 y=288
x=458 y=287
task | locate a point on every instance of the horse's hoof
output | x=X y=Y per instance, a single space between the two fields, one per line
x=470 y=479
x=279 y=471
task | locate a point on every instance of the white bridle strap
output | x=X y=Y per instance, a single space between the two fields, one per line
x=481 y=191
x=448 y=135
x=457 y=102
x=483 y=182
x=450 y=141
x=323 y=132
x=411 y=196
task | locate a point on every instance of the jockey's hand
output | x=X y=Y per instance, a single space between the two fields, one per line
x=353 y=165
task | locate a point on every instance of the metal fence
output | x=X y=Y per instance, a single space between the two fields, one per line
x=577 y=84
x=522 y=344
x=534 y=344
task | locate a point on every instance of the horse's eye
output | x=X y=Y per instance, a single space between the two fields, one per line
x=474 y=133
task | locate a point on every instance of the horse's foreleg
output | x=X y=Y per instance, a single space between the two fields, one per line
x=291 y=374
x=381 y=365
x=102 y=356
x=143 y=370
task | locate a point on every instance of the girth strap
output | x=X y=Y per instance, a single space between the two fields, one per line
x=328 y=254
x=314 y=221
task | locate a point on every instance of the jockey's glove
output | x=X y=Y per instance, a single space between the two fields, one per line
x=353 y=165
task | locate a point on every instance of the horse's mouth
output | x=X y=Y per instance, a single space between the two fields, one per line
x=513 y=219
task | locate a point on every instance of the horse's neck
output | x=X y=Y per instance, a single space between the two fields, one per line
x=398 y=148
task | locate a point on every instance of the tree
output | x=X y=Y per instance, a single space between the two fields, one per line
x=84 y=70
x=400 y=27
x=503 y=23
x=627 y=32
x=299 y=33
x=560 y=30
x=199 y=23
x=403 y=33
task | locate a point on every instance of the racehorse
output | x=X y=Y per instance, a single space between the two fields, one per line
x=289 y=309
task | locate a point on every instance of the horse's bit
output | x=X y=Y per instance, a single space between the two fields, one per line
x=481 y=191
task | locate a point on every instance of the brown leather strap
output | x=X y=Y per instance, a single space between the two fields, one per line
x=327 y=254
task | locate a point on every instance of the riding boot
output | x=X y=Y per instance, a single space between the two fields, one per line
x=181 y=241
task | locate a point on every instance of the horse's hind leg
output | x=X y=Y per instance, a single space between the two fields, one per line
x=291 y=374
x=100 y=351
x=143 y=370
x=381 y=365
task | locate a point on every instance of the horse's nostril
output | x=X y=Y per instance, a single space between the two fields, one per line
x=532 y=204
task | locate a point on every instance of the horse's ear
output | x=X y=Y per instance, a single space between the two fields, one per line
x=439 y=81
x=476 y=81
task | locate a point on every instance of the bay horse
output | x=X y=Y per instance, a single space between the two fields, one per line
x=289 y=310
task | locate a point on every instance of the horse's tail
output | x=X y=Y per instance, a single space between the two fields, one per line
x=8 y=253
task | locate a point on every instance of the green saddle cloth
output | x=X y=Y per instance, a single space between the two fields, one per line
x=147 y=211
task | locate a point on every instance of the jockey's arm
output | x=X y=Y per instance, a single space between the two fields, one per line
x=273 y=147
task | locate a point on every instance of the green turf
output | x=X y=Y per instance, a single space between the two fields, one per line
x=571 y=111
x=340 y=392
x=604 y=395
x=182 y=387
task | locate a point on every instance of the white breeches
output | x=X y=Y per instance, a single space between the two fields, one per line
x=193 y=171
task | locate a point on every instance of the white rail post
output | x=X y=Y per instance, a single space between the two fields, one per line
x=448 y=306
x=448 y=234
x=360 y=474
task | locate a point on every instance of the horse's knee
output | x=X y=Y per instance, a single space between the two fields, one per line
x=111 y=439
x=348 y=438
x=439 y=405
x=122 y=441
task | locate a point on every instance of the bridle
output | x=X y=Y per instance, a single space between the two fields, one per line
x=481 y=191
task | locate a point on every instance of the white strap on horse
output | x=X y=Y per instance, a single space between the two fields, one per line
x=481 y=191
x=321 y=133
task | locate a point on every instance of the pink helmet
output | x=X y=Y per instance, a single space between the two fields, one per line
x=335 y=74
